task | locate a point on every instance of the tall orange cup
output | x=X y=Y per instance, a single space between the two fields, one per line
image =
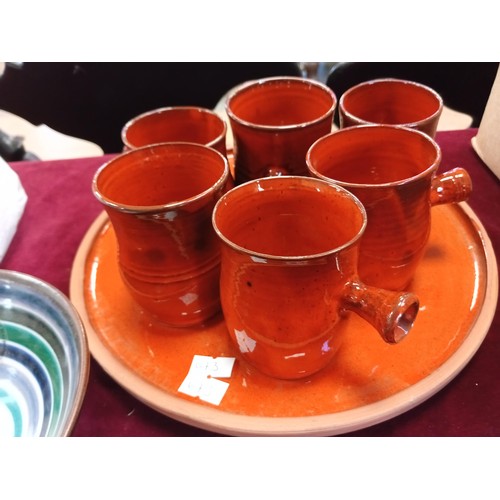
x=176 y=124
x=159 y=200
x=274 y=121
x=391 y=101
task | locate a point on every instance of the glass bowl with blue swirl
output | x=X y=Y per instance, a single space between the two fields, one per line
x=44 y=358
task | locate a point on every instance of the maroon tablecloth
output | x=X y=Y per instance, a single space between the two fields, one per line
x=61 y=208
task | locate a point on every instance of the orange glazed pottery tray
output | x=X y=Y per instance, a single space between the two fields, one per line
x=367 y=382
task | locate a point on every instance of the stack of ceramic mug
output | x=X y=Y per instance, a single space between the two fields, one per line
x=293 y=227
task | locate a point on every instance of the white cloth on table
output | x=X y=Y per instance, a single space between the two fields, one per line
x=486 y=143
x=13 y=199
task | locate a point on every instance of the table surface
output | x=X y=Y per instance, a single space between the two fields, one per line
x=60 y=210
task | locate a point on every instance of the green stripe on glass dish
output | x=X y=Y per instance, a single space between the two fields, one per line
x=11 y=413
x=30 y=339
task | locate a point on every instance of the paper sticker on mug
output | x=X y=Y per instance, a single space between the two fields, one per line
x=201 y=379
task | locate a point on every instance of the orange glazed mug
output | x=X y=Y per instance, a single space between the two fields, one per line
x=392 y=171
x=390 y=101
x=288 y=272
x=176 y=124
x=274 y=121
x=159 y=200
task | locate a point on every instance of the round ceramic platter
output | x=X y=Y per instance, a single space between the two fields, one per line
x=368 y=381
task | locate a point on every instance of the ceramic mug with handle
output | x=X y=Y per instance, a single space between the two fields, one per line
x=393 y=171
x=176 y=124
x=391 y=101
x=289 y=247
x=274 y=121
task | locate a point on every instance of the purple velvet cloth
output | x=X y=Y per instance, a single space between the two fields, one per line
x=61 y=208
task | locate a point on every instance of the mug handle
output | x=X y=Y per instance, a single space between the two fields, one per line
x=391 y=313
x=452 y=186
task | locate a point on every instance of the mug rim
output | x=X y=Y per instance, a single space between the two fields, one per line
x=377 y=81
x=352 y=130
x=269 y=80
x=165 y=109
x=143 y=209
x=283 y=258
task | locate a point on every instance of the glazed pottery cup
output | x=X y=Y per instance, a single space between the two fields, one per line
x=288 y=274
x=159 y=200
x=176 y=124
x=392 y=171
x=391 y=101
x=274 y=121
